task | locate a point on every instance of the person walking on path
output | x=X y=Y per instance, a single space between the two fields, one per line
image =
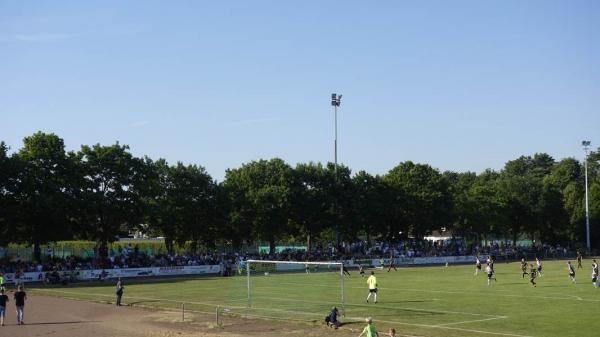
x=119 y=291
x=3 y=300
x=20 y=297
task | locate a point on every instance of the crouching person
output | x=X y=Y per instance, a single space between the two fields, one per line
x=331 y=319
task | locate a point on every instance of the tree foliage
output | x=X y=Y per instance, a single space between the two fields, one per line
x=101 y=192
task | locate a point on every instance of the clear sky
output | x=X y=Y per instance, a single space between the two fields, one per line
x=461 y=85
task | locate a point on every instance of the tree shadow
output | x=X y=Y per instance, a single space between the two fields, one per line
x=57 y=323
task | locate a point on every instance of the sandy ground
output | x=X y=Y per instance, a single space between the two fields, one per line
x=49 y=316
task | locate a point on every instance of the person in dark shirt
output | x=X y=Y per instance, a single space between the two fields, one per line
x=332 y=320
x=532 y=275
x=3 y=300
x=119 y=292
x=524 y=267
x=579 y=258
x=20 y=297
x=392 y=265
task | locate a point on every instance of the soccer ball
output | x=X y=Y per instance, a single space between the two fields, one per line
x=266 y=273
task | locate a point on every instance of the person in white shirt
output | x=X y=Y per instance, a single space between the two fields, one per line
x=571 y=270
x=490 y=273
x=539 y=266
x=595 y=274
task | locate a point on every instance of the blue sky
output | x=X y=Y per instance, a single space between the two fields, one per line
x=461 y=85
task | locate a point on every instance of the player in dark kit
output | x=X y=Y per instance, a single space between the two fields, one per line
x=361 y=270
x=490 y=263
x=524 y=267
x=345 y=270
x=532 y=275
x=392 y=265
x=571 y=272
x=579 y=258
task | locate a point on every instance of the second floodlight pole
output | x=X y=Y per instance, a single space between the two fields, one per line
x=586 y=144
x=335 y=102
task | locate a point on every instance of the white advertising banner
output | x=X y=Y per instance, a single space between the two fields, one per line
x=100 y=274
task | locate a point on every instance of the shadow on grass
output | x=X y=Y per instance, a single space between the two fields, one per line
x=351 y=323
x=141 y=302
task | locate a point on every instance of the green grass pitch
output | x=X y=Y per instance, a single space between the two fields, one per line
x=423 y=301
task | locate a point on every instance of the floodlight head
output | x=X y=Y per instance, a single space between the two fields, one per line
x=335 y=99
x=586 y=143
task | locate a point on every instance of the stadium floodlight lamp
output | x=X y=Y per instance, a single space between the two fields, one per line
x=336 y=99
x=586 y=143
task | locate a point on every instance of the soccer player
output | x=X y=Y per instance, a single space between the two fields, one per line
x=490 y=263
x=477 y=265
x=20 y=297
x=372 y=282
x=579 y=258
x=571 y=272
x=392 y=264
x=524 y=267
x=595 y=273
x=361 y=270
x=369 y=330
x=2 y=281
x=3 y=300
x=490 y=273
x=539 y=266
x=344 y=269
x=332 y=320
x=532 y=275
x=307 y=268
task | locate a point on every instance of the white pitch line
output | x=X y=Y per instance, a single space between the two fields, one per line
x=473 y=321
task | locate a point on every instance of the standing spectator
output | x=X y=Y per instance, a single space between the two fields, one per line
x=49 y=252
x=3 y=300
x=119 y=291
x=20 y=297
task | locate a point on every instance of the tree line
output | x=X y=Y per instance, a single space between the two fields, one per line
x=102 y=192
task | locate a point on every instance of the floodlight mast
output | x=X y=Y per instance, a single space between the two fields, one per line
x=336 y=100
x=586 y=145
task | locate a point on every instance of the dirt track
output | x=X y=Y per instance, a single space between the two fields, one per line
x=49 y=316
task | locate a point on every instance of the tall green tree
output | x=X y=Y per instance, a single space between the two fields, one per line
x=311 y=200
x=42 y=191
x=261 y=193
x=7 y=205
x=427 y=203
x=113 y=178
x=192 y=193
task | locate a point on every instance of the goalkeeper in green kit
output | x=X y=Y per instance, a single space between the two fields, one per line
x=372 y=282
